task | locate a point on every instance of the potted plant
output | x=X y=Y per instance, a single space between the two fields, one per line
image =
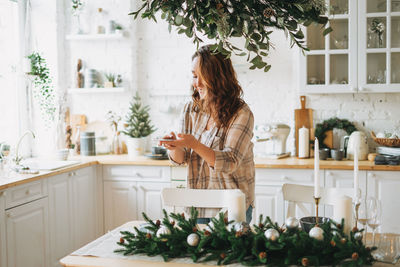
x=110 y=80
x=118 y=28
x=138 y=127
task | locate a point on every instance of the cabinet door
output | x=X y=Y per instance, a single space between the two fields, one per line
x=149 y=199
x=268 y=202
x=27 y=235
x=343 y=179
x=331 y=64
x=385 y=185
x=60 y=211
x=379 y=46
x=83 y=207
x=120 y=203
x=3 y=254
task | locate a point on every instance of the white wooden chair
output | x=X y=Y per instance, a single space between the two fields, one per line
x=298 y=195
x=230 y=200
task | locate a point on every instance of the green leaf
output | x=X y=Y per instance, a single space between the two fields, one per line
x=178 y=20
x=327 y=31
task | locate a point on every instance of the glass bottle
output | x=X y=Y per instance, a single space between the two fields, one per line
x=100 y=28
x=77 y=141
x=116 y=145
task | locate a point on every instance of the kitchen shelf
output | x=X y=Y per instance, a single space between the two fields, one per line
x=96 y=90
x=88 y=37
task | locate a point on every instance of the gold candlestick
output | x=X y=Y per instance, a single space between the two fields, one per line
x=357 y=206
x=316 y=207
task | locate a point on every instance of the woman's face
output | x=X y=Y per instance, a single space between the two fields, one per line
x=197 y=81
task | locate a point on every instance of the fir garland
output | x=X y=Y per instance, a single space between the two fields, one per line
x=222 y=242
x=330 y=124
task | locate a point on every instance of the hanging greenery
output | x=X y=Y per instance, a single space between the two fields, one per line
x=254 y=21
x=330 y=124
x=43 y=89
x=227 y=242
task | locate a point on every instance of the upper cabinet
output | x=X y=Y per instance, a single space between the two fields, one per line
x=358 y=54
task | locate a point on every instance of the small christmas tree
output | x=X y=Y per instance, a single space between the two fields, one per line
x=138 y=123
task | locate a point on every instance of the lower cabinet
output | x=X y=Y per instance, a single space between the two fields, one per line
x=268 y=202
x=125 y=201
x=73 y=211
x=385 y=186
x=28 y=235
x=3 y=251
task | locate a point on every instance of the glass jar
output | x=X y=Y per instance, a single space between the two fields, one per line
x=102 y=145
x=116 y=146
x=88 y=144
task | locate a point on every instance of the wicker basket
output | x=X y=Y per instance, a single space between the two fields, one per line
x=395 y=142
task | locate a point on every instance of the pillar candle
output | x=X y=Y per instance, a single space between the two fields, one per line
x=317 y=192
x=356 y=180
x=237 y=206
x=304 y=139
x=343 y=209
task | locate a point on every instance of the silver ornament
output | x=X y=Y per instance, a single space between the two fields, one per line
x=358 y=236
x=292 y=223
x=193 y=239
x=163 y=231
x=317 y=233
x=272 y=234
x=241 y=227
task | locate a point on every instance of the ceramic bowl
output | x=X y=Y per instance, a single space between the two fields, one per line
x=158 y=150
x=309 y=222
x=62 y=154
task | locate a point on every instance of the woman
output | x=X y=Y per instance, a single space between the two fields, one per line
x=216 y=132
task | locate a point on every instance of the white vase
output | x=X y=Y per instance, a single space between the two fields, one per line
x=136 y=146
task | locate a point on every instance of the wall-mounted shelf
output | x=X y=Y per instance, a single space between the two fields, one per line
x=96 y=90
x=88 y=37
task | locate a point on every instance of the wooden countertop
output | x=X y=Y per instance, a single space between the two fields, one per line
x=286 y=163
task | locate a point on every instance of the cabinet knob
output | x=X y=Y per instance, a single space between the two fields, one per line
x=371 y=175
x=329 y=173
x=27 y=192
x=8 y=214
x=284 y=178
x=137 y=174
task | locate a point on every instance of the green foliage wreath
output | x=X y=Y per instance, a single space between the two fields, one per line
x=252 y=20
x=225 y=243
x=330 y=124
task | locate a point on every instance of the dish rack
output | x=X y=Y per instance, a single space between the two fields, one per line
x=393 y=142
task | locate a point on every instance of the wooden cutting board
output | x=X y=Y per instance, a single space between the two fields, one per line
x=303 y=117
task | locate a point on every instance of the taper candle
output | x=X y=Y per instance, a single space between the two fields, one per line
x=356 y=180
x=317 y=192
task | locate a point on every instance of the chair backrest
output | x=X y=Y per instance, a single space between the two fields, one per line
x=231 y=200
x=296 y=195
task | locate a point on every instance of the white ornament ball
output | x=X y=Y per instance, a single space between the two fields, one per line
x=292 y=223
x=317 y=233
x=241 y=226
x=358 y=236
x=193 y=239
x=163 y=231
x=272 y=234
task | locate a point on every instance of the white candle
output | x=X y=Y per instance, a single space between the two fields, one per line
x=356 y=180
x=304 y=139
x=317 y=192
x=237 y=206
x=343 y=209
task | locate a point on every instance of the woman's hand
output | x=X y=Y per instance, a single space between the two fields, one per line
x=185 y=140
x=167 y=144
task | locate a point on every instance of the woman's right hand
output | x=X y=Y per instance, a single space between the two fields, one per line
x=163 y=142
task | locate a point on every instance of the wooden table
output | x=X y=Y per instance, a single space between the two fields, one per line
x=81 y=261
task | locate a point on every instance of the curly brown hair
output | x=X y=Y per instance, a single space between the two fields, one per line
x=224 y=94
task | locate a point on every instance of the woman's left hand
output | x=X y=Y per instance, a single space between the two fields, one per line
x=184 y=140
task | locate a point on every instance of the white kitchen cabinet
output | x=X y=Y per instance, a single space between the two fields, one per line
x=60 y=217
x=351 y=58
x=120 y=203
x=84 y=214
x=28 y=235
x=149 y=199
x=343 y=179
x=3 y=251
x=131 y=190
x=268 y=201
x=385 y=186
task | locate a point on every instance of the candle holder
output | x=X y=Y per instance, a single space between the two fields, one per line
x=316 y=210
x=356 y=207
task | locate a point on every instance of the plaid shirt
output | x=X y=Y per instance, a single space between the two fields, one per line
x=234 y=161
